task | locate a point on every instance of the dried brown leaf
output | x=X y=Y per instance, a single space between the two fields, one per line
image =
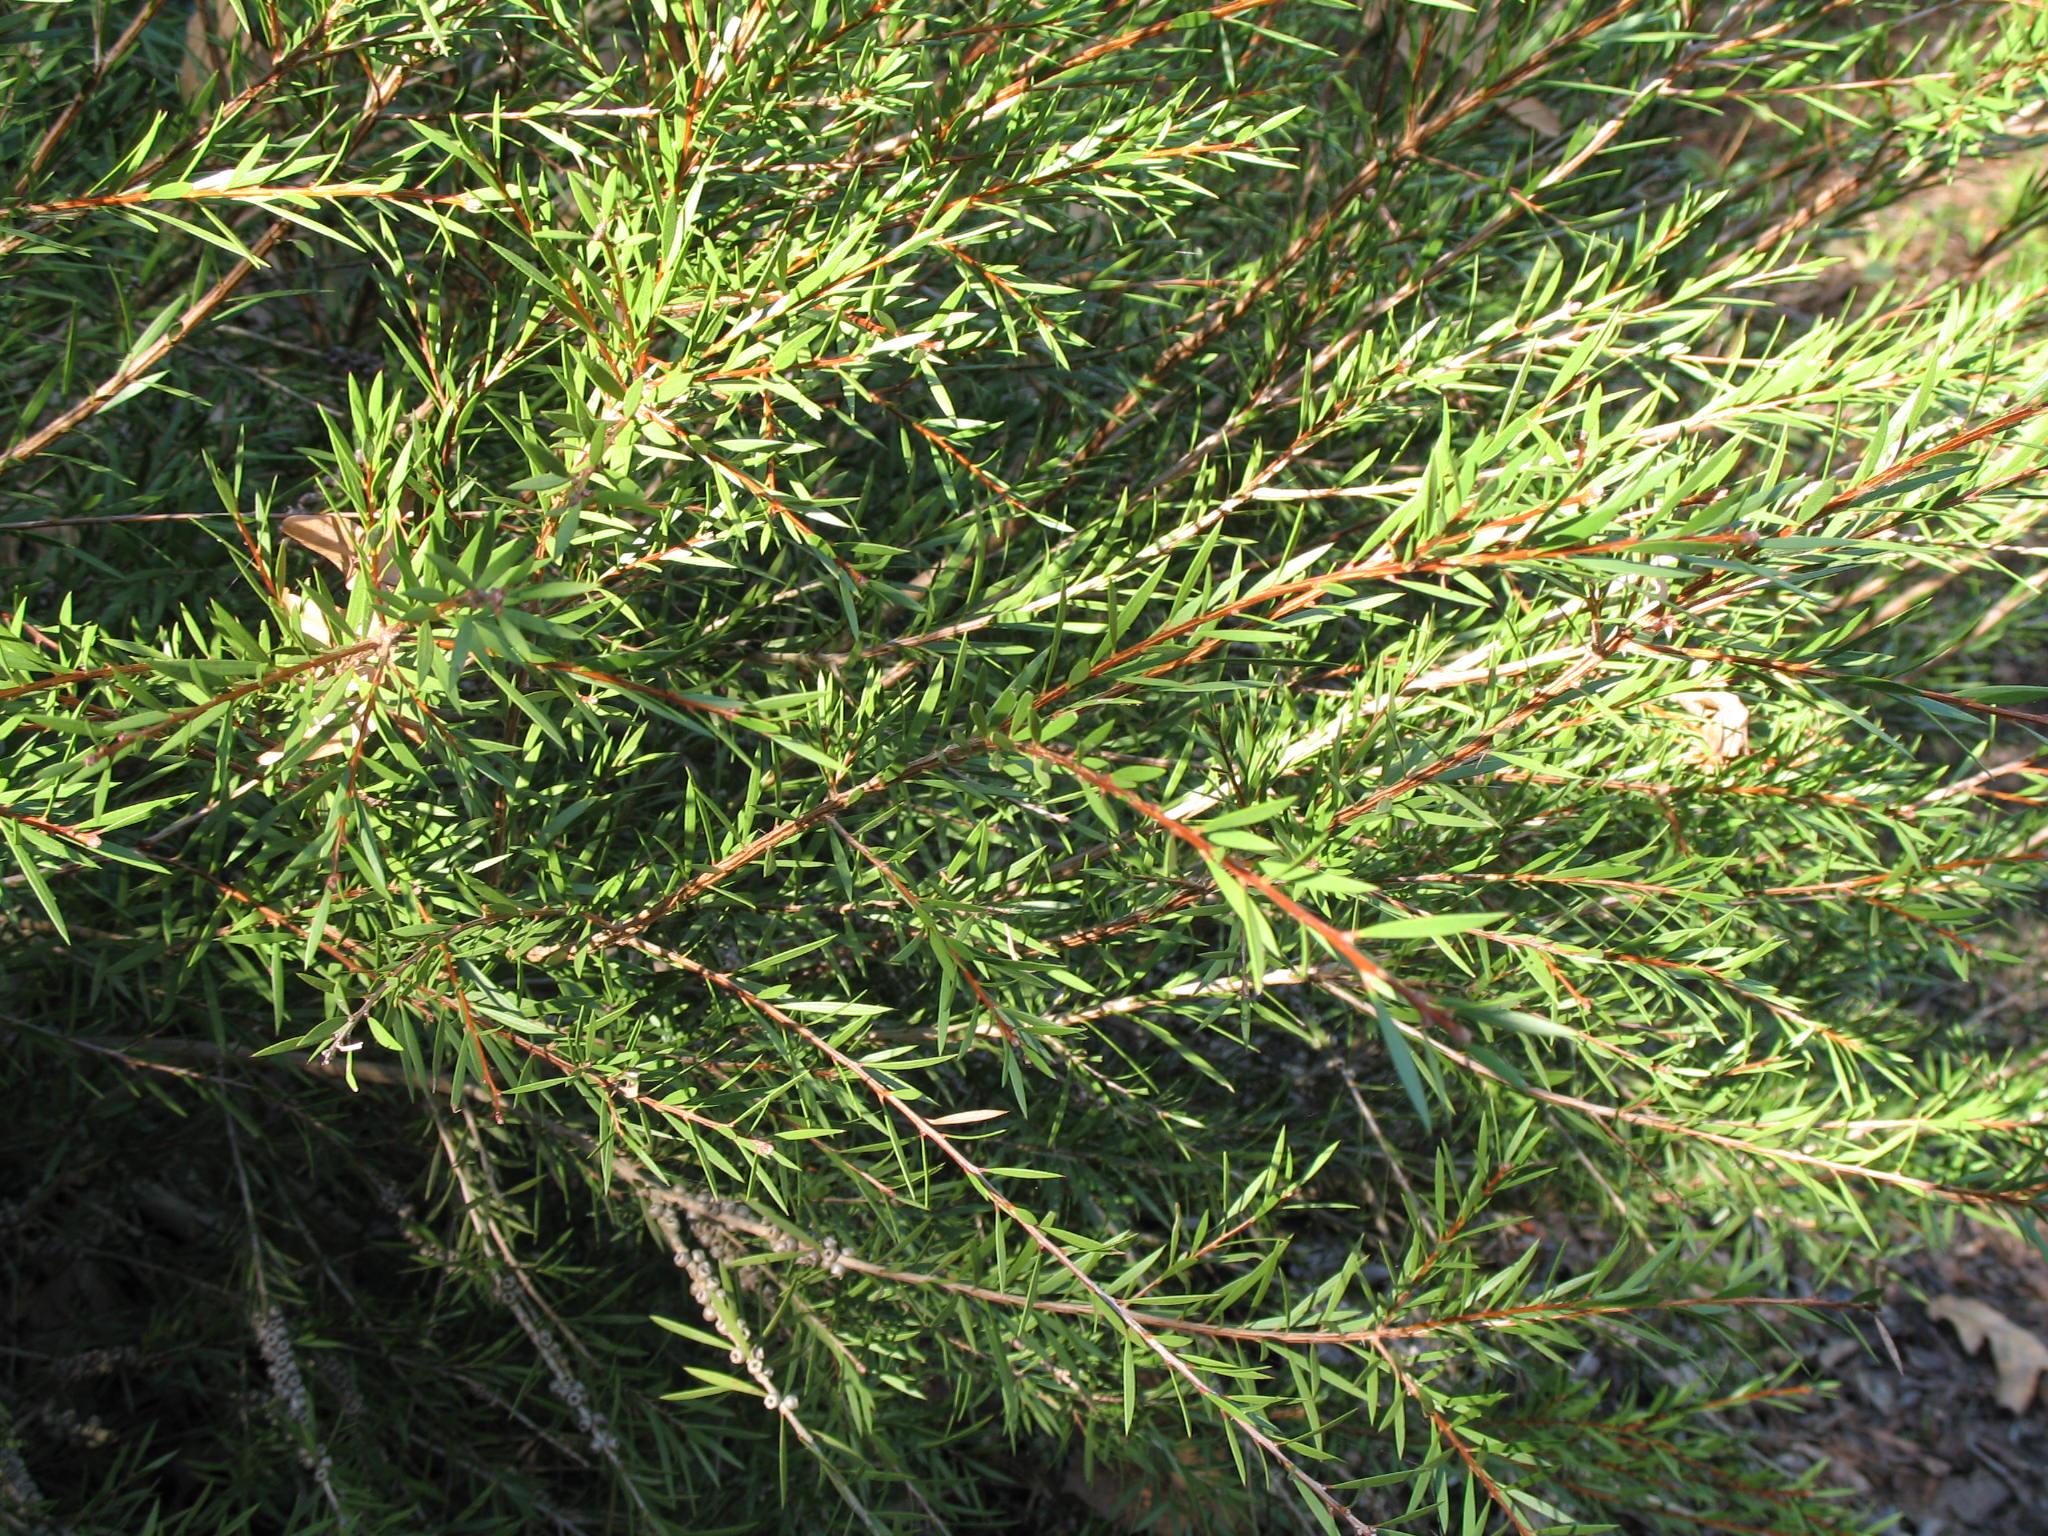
x=330 y=537
x=338 y=540
x=970 y=1116
x=2017 y=1354
x=1533 y=114
x=1724 y=723
x=312 y=623
x=216 y=43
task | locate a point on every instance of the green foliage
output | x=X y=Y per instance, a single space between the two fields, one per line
x=944 y=767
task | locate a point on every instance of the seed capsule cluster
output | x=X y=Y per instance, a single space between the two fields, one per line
x=564 y=1382
x=289 y=1394
x=710 y=1296
x=714 y=1224
x=17 y=1486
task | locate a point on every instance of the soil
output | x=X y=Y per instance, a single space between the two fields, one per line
x=1915 y=1429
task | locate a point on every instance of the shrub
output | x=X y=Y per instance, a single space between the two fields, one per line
x=913 y=768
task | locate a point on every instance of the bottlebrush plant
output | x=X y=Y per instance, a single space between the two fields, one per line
x=1037 y=765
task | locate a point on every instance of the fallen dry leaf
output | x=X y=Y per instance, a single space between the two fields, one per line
x=330 y=537
x=969 y=1116
x=1533 y=114
x=320 y=535
x=2018 y=1355
x=1724 y=723
x=312 y=623
x=217 y=45
x=337 y=539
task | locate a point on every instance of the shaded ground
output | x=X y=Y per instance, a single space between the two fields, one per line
x=1920 y=1436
